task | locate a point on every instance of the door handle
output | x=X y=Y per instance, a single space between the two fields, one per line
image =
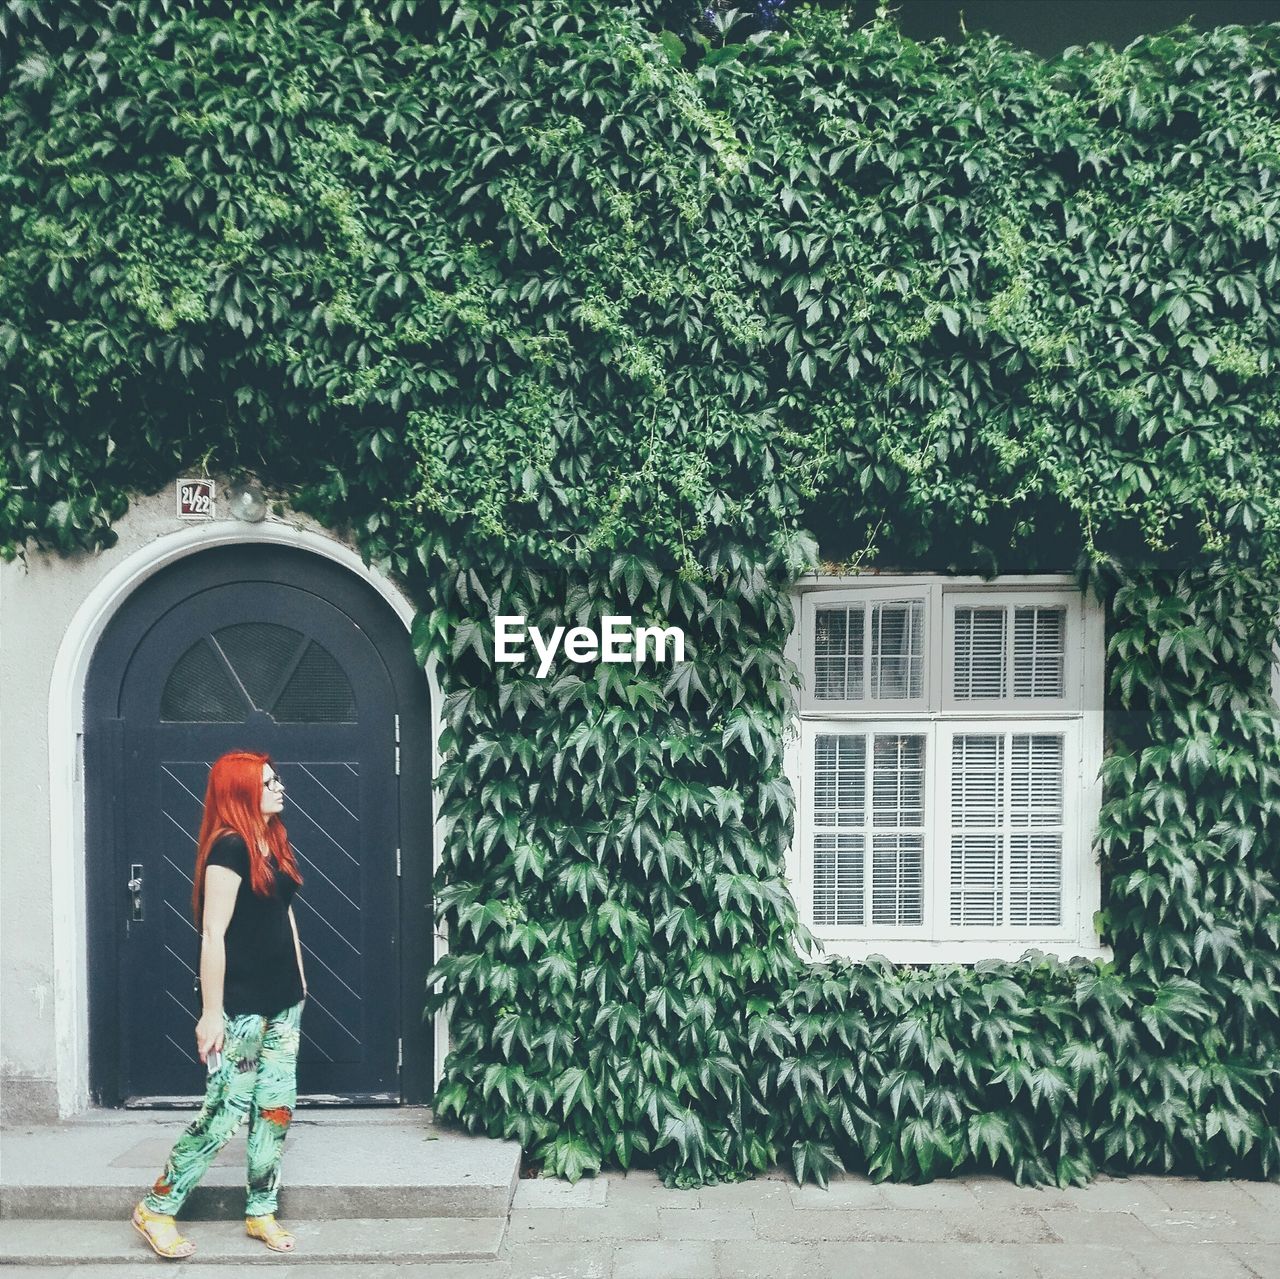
x=135 y=891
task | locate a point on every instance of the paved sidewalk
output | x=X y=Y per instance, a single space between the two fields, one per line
x=631 y=1227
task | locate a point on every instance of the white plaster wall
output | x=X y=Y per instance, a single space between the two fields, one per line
x=43 y=1008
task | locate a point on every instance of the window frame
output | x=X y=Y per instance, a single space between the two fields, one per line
x=811 y=729
x=871 y=595
x=1009 y=705
x=940 y=716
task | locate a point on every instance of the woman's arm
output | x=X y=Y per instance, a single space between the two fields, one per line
x=297 y=947
x=220 y=888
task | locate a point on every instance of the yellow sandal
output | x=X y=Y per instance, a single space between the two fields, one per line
x=271 y=1232
x=161 y=1232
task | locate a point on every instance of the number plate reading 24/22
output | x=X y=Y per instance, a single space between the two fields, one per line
x=195 y=499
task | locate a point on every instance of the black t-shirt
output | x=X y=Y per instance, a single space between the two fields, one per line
x=262 y=966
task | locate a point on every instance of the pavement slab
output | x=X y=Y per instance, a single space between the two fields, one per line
x=670 y=1259
x=1201 y=1261
x=917 y=1260
x=552 y=1192
x=1259 y=1259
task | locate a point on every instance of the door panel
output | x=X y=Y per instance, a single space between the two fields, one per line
x=312 y=691
x=277 y=649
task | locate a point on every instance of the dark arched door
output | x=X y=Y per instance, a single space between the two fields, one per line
x=261 y=648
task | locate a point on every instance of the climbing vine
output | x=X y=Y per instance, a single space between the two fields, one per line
x=564 y=312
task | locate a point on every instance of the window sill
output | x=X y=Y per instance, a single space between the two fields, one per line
x=915 y=951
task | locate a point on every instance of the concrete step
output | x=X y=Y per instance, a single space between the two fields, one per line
x=337 y=1164
x=360 y=1240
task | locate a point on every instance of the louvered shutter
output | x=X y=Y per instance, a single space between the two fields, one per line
x=985 y=637
x=1035 y=821
x=979 y=652
x=897 y=854
x=1039 y=650
x=1007 y=792
x=893 y=828
x=839 y=815
x=977 y=845
x=838 y=885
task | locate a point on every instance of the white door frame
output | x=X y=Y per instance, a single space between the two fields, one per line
x=66 y=768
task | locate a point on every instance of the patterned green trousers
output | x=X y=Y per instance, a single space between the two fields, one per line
x=258 y=1078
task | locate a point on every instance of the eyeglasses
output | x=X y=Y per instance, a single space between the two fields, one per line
x=274 y=782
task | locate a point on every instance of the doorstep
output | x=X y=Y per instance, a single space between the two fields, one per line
x=338 y=1164
x=400 y=1241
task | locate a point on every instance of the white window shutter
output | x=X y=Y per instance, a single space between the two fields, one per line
x=979 y=652
x=838 y=889
x=1006 y=829
x=1035 y=819
x=892 y=824
x=839 y=801
x=977 y=842
x=897 y=855
x=981 y=645
x=839 y=779
x=897 y=880
x=1039 y=650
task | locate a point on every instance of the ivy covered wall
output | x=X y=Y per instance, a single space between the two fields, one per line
x=565 y=314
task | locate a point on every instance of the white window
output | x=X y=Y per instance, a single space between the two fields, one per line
x=946 y=766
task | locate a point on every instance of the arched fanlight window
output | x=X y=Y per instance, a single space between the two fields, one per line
x=257 y=665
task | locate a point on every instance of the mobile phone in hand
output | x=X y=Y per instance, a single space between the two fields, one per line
x=213 y=1061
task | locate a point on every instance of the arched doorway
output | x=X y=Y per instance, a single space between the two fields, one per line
x=273 y=649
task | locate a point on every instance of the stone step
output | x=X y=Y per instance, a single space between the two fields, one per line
x=394 y=1241
x=337 y=1164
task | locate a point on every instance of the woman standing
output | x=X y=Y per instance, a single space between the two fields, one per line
x=252 y=994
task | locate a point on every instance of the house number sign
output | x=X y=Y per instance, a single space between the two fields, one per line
x=195 y=499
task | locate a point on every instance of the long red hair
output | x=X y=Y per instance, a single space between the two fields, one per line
x=233 y=802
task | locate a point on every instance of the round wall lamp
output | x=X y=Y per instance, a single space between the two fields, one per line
x=246 y=501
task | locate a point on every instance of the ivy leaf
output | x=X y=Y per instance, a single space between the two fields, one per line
x=815 y=1161
x=991 y=1132
x=570 y=1156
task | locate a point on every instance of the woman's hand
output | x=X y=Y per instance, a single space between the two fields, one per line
x=209 y=1034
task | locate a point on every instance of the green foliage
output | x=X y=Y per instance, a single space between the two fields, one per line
x=560 y=314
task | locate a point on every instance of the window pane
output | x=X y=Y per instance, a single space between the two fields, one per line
x=838 y=880
x=1039 y=648
x=838 y=648
x=1036 y=785
x=259 y=653
x=1035 y=879
x=975 y=879
x=897 y=879
x=977 y=813
x=839 y=779
x=318 y=691
x=898 y=780
x=1036 y=789
x=897 y=856
x=897 y=649
x=977 y=779
x=199 y=690
x=1007 y=793
x=979 y=646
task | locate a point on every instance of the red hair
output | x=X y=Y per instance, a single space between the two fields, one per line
x=233 y=803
